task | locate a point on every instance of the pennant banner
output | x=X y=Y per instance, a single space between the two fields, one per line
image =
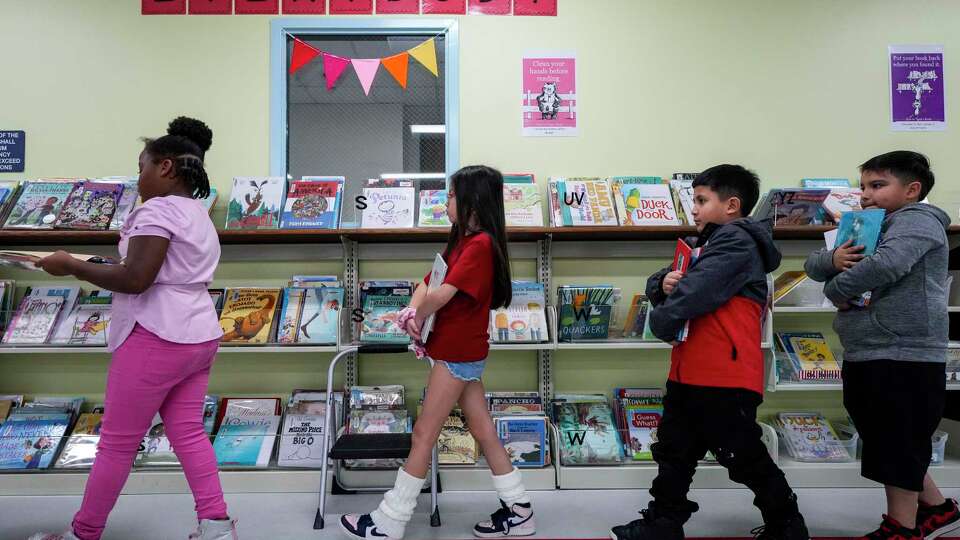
x=333 y=68
x=302 y=55
x=398 y=65
x=426 y=54
x=366 y=69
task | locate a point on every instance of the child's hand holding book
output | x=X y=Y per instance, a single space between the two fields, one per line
x=670 y=281
x=845 y=256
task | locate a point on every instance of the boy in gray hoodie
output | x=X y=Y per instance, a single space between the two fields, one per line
x=895 y=348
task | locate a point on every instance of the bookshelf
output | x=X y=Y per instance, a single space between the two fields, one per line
x=547 y=248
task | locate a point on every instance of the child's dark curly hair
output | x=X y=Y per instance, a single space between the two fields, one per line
x=186 y=142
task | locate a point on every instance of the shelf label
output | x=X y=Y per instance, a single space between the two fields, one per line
x=12 y=144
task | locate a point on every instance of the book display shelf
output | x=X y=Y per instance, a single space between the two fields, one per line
x=548 y=248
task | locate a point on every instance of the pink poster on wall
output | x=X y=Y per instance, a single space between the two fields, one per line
x=549 y=104
x=489 y=7
x=444 y=7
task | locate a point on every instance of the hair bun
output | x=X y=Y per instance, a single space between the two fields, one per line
x=192 y=129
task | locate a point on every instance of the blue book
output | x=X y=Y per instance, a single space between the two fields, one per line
x=318 y=315
x=313 y=203
x=863 y=227
x=524 y=438
x=246 y=441
x=31 y=444
x=825 y=183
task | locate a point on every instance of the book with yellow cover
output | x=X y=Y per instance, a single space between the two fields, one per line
x=249 y=314
x=786 y=282
x=810 y=355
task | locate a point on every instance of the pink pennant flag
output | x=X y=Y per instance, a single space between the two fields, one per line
x=366 y=70
x=333 y=67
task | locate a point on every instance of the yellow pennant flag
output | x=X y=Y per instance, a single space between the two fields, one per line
x=426 y=54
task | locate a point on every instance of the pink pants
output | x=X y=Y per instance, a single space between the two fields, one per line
x=149 y=374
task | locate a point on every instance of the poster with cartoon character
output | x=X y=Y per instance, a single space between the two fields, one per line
x=917 y=88
x=549 y=104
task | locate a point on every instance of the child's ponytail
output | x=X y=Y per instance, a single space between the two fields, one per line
x=185 y=144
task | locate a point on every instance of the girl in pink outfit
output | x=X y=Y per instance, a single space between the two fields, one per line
x=163 y=335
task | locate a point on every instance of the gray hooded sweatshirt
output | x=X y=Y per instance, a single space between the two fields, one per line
x=906 y=319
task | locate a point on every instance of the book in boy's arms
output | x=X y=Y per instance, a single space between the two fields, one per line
x=320 y=315
x=38 y=204
x=34 y=320
x=588 y=433
x=313 y=203
x=301 y=441
x=248 y=315
x=437 y=274
x=828 y=183
x=683 y=257
x=786 y=282
x=90 y=206
x=255 y=203
x=810 y=437
x=862 y=228
x=246 y=441
x=579 y=202
x=840 y=201
x=793 y=206
x=524 y=438
x=645 y=203
x=387 y=208
x=585 y=312
x=810 y=355
x=31 y=443
x=433 y=208
x=522 y=205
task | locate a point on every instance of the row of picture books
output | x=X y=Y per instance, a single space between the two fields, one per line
x=51 y=431
x=96 y=204
x=591 y=430
x=316 y=202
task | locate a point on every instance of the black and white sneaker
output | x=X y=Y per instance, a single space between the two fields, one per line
x=361 y=526
x=516 y=520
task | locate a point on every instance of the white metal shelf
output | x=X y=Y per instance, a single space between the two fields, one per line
x=831 y=386
x=821 y=309
x=272 y=480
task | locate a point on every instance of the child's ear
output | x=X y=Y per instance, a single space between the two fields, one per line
x=914 y=189
x=733 y=205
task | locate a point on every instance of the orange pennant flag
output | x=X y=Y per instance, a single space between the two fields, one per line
x=397 y=66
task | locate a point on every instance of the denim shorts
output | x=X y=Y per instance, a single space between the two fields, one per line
x=465 y=371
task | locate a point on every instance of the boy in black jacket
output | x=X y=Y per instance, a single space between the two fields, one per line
x=716 y=374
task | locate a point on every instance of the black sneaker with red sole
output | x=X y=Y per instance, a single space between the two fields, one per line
x=891 y=529
x=936 y=521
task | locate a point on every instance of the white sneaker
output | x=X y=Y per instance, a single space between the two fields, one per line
x=216 y=529
x=516 y=520
x=46 y=536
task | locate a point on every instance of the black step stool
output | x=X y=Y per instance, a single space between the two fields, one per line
x=368 y=446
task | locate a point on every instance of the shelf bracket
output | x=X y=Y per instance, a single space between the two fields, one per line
x=545 y=358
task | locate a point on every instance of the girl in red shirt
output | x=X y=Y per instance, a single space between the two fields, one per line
x=477 y=280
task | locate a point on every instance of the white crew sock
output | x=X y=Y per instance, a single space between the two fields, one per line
x=397 y=506
x=510 y=488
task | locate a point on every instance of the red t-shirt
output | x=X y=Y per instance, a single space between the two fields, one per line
x=461 y=330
